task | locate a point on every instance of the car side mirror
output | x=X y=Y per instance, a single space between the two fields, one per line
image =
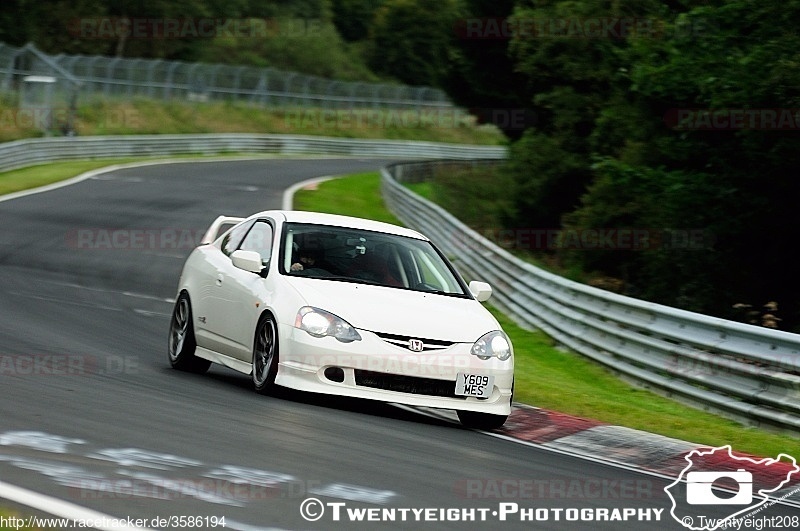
x=480 y=290
x=247 y=260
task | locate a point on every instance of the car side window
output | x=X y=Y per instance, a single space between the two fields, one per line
x=259 y=239
x=231 y=241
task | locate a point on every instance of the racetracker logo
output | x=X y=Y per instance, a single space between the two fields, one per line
x=592 y=488
x=134 y=239
x=158 y=488
x=113 y=28
x=590 y=28
x=66 y=365
x=52 y=117
x=733 y=119
x=348 y=119
x=602 y=239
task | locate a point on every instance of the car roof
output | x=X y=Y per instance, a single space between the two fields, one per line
x=321 y=218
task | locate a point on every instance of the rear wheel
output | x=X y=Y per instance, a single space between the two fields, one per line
x=481 y=421
x=265 y=355
x=181 y=339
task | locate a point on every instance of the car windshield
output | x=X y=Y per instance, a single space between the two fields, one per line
x=354 y=255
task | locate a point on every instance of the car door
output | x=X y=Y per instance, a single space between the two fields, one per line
x=241 y=292
x=207 y=305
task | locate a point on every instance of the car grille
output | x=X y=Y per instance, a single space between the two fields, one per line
x=405 y=342
x=406 y=384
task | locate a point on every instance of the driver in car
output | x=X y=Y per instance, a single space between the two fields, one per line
x=305 y=260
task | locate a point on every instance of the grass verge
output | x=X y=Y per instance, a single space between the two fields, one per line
x=145 y=116
x=550 y=378
x=52 y=172
x=43 y=174
x=356 y=195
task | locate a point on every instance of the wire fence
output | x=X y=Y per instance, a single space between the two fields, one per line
x=31 y=75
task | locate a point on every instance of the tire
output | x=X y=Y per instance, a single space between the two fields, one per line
x=182 y=344
x=481 y=421
x=265 y=355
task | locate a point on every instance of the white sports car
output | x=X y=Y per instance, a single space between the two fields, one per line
x=344 y=306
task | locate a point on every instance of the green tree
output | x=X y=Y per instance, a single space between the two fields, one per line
x=52 y=25
x=735 y=183
x=98 y=27
x=310 y=46
x=16 y=24
x=410 y=40
x=353 y=18
x=481 y=75
x=570 y=76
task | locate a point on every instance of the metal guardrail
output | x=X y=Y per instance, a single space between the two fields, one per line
x=22 y=153
x=744 y=371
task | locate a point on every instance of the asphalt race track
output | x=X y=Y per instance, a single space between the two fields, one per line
x=92 y=413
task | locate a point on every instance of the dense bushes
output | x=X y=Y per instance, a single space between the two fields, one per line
x=715 y=193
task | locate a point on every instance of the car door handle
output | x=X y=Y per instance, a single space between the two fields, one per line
x=219 y=280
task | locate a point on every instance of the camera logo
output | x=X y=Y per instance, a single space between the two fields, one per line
x=738 y=485
x=699 y=488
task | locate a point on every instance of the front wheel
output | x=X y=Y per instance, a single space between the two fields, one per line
x=481 y=421
x=265 y=355
x=181 y=339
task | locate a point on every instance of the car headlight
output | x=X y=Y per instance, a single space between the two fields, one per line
x=494 y=344
x=320 y=323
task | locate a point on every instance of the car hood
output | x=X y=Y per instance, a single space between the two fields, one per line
x=397 y=311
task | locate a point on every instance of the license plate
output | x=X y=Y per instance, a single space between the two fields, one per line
x=475 y=385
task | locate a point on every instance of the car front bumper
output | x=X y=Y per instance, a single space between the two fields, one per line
x=377 y=370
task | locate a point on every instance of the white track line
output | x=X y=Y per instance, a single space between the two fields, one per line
x=62 y=509
x=288 y=194
x=112 y=168
x=97 y=172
